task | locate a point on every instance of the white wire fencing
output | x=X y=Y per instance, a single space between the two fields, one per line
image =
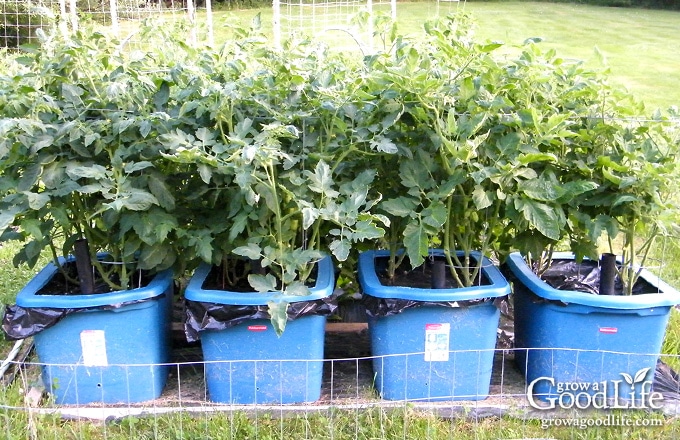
x=346 y=24
x=21 y=21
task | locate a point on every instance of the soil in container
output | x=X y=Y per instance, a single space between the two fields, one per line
x=422 y=276
x=234 y=276
x=64 y=281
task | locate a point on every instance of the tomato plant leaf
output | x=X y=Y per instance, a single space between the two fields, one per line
x=416 y=242
x=251 y=250
x=278 y=311
x=340 y=249
x=262 y=283
x=540 y=216
x=401 y=206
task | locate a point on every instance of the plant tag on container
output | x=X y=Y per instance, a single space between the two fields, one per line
x=93 y=344
x=437 y=342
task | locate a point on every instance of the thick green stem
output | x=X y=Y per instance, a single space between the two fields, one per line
x=632 y=267
x=278 y=216
x=450 y=254
x=396 y=255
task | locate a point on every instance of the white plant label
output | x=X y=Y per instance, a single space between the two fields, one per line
x=437 y=342
x=93 y=344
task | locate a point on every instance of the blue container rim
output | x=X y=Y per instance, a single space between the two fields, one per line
x=667 y=296
x=28 y=296
x=323 y=287
x=371 y=284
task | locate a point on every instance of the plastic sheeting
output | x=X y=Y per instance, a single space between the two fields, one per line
x=202 y=316
x=22 y=322
x=666 y=381
x=381 y=307
x=583 y=277
x=570 y=275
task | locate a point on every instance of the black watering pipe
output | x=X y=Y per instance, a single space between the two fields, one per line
x=438 y=274
x=607 y=274
x=84 y=266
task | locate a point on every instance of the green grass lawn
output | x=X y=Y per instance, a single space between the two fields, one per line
x=11 y=278
x=640 y=46
x=403 y=423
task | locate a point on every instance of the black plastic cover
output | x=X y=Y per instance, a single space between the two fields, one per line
x=22 y=322
x=584 y=277
x=381 y=307
x=570 y=275
x=210 y=316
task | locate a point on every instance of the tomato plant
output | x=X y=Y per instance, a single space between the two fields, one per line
x=174 y=155
x=80 y=159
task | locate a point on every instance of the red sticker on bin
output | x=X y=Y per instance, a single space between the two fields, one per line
x=257 y=328
x=609 y=330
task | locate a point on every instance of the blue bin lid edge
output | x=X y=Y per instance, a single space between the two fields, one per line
x=371 y=285
x=669 y=296
x=28 y=297
x=322 y=289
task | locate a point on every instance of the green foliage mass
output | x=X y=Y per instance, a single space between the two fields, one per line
x=176 y=154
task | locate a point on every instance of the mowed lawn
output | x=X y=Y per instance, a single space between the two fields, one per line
x=640 y=47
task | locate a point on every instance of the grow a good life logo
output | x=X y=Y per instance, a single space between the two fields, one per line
x=629 y=392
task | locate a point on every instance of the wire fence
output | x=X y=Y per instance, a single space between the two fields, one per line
x=22 y=21
x=350 y=402
x=346 y=24
x=343 y=23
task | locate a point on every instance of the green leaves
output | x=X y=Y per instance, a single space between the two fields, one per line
x=321 y=180
x=251 y=250
x=134 y=200
x=401 y=206
x=90 y=171
x=262 y=283
x=84 y=153
x=286 y=156
x=384 y=145
x=541 y=190
x=416 y=242
x=541 y=217
x=511 y=149
x=279 y=315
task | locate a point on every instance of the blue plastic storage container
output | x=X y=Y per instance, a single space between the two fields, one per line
x=114 y=354
x=581 y=339
x=434 y=352
x=248 y=363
